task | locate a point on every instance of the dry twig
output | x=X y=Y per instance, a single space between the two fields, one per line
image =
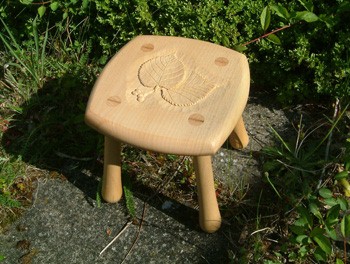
x=118 y=235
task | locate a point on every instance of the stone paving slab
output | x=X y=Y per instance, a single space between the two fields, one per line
x=64 y=225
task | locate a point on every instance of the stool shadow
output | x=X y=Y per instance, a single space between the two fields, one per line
x=49 y=132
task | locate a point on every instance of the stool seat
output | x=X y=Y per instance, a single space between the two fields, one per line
x=172 y=95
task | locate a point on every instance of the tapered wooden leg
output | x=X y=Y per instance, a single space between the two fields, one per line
x=209 y=214
x=239 y=138
x=112 y=183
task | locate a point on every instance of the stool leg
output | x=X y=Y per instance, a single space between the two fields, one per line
x=209 y=214
x=112 y=183
x=239 y=138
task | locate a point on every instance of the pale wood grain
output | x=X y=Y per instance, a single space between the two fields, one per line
x=112 y=189
x=209 y=214
x=172 y=95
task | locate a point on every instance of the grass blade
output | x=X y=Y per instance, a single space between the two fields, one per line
x=281 y=139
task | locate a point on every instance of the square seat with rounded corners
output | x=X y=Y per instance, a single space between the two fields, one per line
x=171 y=95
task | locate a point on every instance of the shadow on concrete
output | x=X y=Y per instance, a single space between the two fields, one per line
x=49 y=132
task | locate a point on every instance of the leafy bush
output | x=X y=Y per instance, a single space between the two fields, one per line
x=317 y=212
x=312 y=59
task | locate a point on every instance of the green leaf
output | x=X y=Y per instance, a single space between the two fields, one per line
x=302 y=239
x=274 y=39
x=331 y=201
x=347 y=165
x=298 y=230
x=285 y=144
x=339 y=261
x=65 y=15
x=323 y=243
x=332 y=233
x=341 y=175
x=343 y=203
x=303 y=251
x=305 y=216
x=85 y=4
x=54 y=6
x=325 y=193
x=308 y=5
x=317 y=231
x=328 y=20
x=320 y=255
x=272 y=151
x=98 y=194
x=306 y=16
x=345 y=226
x=332 y=215
x=41 y=10
x=240 y=48
x=271 y=165
x=129 y=197
x=315 y=210
x=26 y=2
x=281 y=11
x=265 y=18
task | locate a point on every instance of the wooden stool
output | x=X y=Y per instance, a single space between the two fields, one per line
x=171 y=95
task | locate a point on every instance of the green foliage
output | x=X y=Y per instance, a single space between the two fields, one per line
x=48 y=49
x=129 y=197
x=32 y=61
x=315 y=228
x=98 y=194
x=9 y=170
x=311 y=57
x=292 y=169
x=214 y=21
x=298 y=161
x=265 y=18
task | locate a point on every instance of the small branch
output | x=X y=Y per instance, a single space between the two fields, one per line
x=267 y=34
x=41 y=3
x=345 y=254
x=114 y=239
x=138 y=232
x=260 y=230
x=142 y=220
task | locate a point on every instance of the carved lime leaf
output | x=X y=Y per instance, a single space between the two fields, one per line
x=195 y=88
x=164 y=71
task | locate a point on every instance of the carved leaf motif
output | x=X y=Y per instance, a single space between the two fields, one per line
x=165 y=71
x=177 y=85
x=195 y=88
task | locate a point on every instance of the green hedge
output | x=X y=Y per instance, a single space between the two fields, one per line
x=312 y=60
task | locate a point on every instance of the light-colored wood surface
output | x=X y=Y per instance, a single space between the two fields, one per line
x=239 y=138
x=209 y=214
x=112 y=188
x=171 y=95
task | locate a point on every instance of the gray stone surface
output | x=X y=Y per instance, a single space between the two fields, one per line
x=64 y=225
x=234 y=166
